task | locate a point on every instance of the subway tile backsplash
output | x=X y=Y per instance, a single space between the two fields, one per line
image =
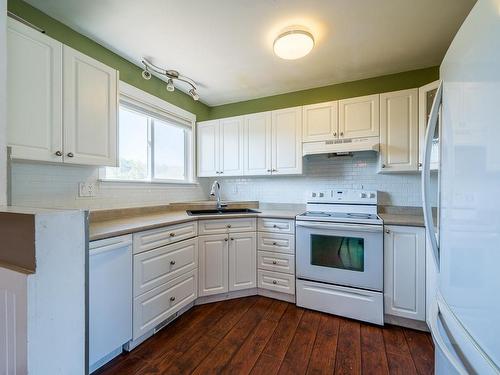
x=41 y=185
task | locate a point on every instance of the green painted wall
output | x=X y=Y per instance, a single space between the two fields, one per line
x=129 y=72
x=392 y=82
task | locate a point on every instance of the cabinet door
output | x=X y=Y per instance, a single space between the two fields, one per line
x=34 y=89
x=287 y=141
x=320 y=122
x=426 y=96
x=404 y=272
x=257 y=146
x=359 y=117
x=231 y=146
x=242 y=261
x=213 y=264
x=208 y=148
x=90 y=110
x=399 y=131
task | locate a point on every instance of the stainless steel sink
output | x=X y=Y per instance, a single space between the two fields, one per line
x=222 y=211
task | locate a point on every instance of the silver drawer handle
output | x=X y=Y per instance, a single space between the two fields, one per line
x=172 y=262
x=58 y=153
x=275 y=282
x=70 y=155
x=274 y=262
x=274 y=243
x=172 y=234
x=172 y=299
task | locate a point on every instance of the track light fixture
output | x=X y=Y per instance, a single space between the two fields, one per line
x=171 y=75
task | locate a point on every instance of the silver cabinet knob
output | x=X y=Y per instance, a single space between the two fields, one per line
x=232 y=239
x=274 y=170
x=274 y=262
x=229 y=225
x=58 y=153
x=275 y=282
x=341 y=134
x=334 y=134
x=420 y=165
x=172 y=262
x=172 y=299
x=70 y=154
x=274 y=243
x=387 y=231
x=383 y=165
x=225 y=239
x=275 y=226
x=172 y=234
x=269 y=170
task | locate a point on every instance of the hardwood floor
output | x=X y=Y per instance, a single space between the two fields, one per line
x=258 y=335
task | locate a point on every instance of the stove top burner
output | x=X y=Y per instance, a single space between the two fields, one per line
x=341 y=216
x=316 y=214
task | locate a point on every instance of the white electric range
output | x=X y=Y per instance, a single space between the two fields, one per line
x=339 y=254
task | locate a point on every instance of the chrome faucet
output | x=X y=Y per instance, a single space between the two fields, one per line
x=215 y=192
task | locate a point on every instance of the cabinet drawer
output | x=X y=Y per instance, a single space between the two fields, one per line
x=276 y=242
x=155 y=267
x=276 y=225
x=153 y=307
x=154 y=238
x=276 y=262
x=219 y=226
x=277 y=281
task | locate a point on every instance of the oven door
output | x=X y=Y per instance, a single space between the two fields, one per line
x=342 y=254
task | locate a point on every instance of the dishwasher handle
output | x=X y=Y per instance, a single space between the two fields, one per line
x=99 y=247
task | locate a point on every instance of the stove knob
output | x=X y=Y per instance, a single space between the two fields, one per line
x=321 y=195
x=362 y=195
x=372 y=195
x=314 y=195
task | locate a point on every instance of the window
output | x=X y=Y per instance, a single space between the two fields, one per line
x=154 y=146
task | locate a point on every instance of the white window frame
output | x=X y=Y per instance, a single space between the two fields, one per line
x=141 y=99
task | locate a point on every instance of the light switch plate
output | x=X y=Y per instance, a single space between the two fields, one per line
x=87 y=189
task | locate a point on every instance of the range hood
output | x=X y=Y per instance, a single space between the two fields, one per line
x=341 y=146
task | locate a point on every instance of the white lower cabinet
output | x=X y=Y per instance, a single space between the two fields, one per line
x=242 y=261
x=155 y=306
x=277 y=281
x=404 y=272
x=272 y=261
x=213 y=258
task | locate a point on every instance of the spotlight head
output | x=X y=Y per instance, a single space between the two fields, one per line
x=146 y=75
x=194 y=94
x=170 y=85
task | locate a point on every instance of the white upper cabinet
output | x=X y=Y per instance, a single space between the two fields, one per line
x=426 y=96
x=320 y=122
x=79 y=127
x=34 y=87
x=404 y=272
x=231 y=146
x=287 y=141
x=208 y=148
x=90 y=110
x=257 y=144
x=359 y=117
x=399 y=131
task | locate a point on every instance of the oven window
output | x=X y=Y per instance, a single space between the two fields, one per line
x=346 y=253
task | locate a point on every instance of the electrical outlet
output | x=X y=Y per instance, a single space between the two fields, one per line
x=87 y=189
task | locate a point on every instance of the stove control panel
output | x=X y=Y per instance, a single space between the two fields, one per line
x=343 y=196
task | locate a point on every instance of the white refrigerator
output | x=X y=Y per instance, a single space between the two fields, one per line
x=465 y=310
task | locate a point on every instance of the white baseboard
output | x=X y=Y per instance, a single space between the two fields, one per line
x=407 y=323
x=226 y=296
x=276 y=295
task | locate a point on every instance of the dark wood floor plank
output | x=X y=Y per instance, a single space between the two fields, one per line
x=262 y=336
x=224 y=325
x=322 y=359
x=297 y=356
x=266 y=365
x=245 y=358
x=398 y=353
x=421 y=351
x=225 y=349
x=283 y=335
x=348 y=358
x=373 y=358
x=276 y=310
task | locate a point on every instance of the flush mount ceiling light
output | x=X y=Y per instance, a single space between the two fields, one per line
x=293 y=44
x=171 y=75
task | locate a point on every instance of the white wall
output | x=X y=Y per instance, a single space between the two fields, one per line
x=42 y=185
x=56 y=186
x=3 y=99
x=356 y=172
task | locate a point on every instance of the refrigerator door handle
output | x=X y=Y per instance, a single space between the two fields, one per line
x=440 y=342
x=426 y=172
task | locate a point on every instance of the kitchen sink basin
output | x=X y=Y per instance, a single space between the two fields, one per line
x=222 y=211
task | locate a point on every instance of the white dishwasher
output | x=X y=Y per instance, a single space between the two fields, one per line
x=110 y=298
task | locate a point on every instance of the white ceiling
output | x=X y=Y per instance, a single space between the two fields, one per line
x=226 y=45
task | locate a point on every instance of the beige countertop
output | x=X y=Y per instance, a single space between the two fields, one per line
x=125 y=225
x=402 y=219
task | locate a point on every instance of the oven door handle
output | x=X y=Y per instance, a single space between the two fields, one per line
x=341 y=226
